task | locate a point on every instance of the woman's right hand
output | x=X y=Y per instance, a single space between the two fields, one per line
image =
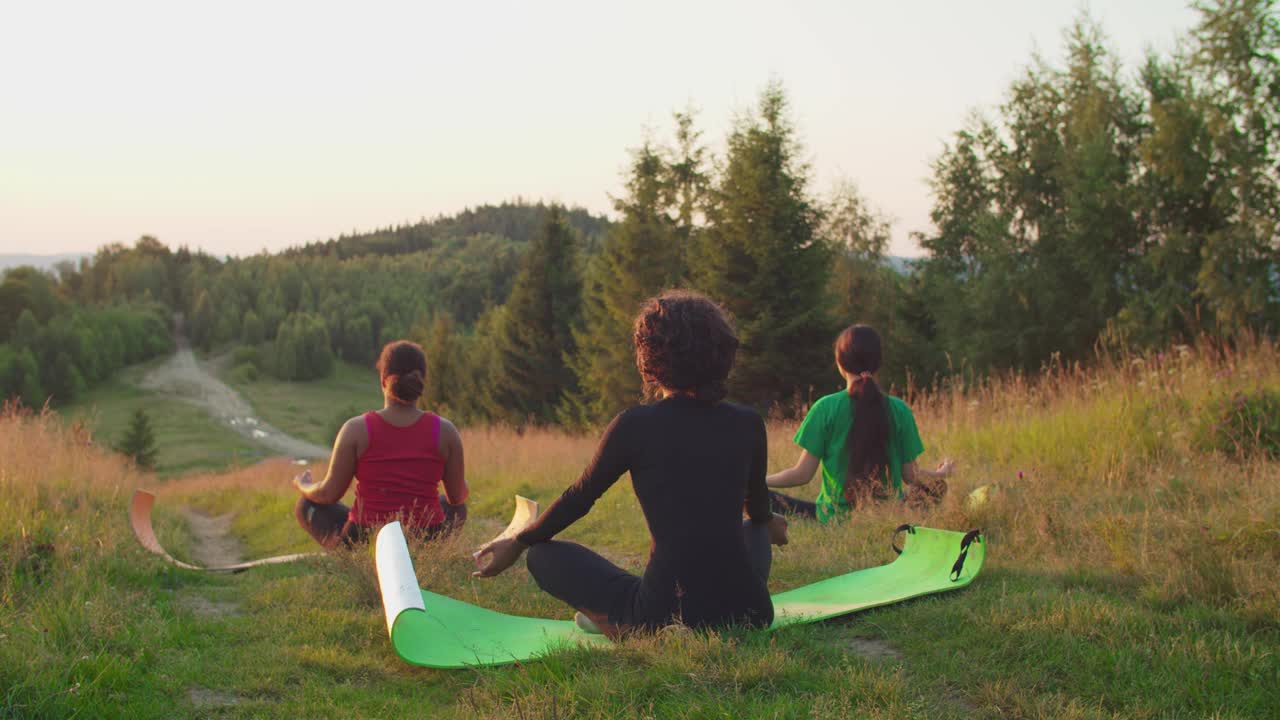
x=946 y=467
x=778 y=530
x=501 y=553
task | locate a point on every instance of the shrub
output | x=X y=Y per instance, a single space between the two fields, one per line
x=247 y=355
x=244 y=373
x=1247 y=424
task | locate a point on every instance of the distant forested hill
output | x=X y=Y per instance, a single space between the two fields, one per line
x=516 y=221
x=293 y=312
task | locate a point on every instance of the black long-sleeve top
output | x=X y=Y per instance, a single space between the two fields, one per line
x=693 y=465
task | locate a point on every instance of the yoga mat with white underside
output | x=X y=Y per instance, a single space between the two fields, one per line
x=436 y=631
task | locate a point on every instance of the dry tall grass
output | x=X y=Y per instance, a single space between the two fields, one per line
x=69 y=590
x=60 y=491
x=1113 y=472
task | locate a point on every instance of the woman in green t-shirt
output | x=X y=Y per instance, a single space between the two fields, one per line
x=865 y=440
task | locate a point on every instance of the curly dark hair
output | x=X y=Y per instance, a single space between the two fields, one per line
x=685 y=343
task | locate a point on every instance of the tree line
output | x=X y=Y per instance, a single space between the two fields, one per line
x=1098 y=203
x=1095 y=206
x=52 y=349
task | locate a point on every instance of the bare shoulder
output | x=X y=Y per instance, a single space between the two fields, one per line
x=354 y=430
x=449 y=435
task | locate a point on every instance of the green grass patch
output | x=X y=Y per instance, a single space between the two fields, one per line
x=311 y=410
x=1131 y=573
x=188 y=439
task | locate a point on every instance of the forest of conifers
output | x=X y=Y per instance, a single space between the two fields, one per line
x=1099 y=206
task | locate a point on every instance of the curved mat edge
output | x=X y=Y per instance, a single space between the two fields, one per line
x=140 y=520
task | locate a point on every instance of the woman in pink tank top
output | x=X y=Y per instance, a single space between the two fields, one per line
x=399 y=457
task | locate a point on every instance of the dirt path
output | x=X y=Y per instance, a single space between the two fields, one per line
x=215 y=545
x=183 y=377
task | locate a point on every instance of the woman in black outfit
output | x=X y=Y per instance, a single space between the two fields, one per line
x=695 y=462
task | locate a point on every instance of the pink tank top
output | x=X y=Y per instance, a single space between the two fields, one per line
x=398 y=476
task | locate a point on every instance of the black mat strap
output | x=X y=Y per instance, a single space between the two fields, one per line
x=893 y=539
x=968 y=538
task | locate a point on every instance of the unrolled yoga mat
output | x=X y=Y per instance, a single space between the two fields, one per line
x=140 y=519
x=436 y=631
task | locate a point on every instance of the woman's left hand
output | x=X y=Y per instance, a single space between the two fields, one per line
x=502 y=554
x=302 y=481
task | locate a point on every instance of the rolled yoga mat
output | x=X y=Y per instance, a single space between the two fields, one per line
x=436 y=631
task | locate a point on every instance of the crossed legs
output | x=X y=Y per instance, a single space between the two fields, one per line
x=597 y=588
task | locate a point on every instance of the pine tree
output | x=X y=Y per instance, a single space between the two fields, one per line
x=641 y=256
x=533 y=336
x=251 y=330
x=200 y=324
x=139 y=442
x=762 y=259
x=26 y=333
x=302 y=350
x=1237 y=42
x=20 y=376
x=1036 y=216
x=63 y=380
x=687 y=185
x=440 y=343
x=866 y=289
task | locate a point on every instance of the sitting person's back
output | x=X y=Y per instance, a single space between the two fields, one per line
x=399 y=473
x=695 y=462
x=399 y=457
x=689 y=478
x=691 y=464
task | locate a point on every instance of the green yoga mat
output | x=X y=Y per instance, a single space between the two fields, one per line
x=436 y=631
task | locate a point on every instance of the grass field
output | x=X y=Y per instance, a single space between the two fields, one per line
x=187 y=438
x=313 y=410
x=1133 y=571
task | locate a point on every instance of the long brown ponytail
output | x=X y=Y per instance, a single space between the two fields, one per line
x=857 y=352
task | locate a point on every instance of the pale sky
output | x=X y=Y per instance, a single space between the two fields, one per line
x=242 y=126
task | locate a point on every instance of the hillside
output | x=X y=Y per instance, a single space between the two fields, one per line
x=516 y=221
x=1133 y=537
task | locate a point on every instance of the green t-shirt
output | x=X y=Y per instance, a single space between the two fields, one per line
x=824 y=432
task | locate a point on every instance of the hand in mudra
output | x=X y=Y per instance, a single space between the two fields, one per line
x=778 y=530
x=500 y=554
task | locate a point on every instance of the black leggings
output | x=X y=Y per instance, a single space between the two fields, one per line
x=588 y=582
x=786 y=505
x=330 y=526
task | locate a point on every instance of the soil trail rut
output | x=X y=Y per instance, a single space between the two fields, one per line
x=183 y=377
x=215 y=545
